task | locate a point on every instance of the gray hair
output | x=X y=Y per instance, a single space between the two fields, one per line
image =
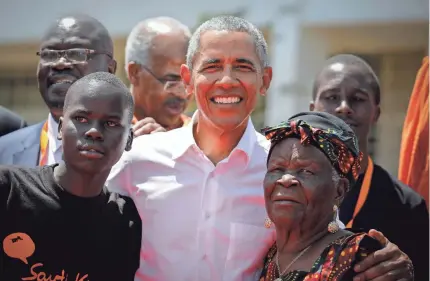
x=229 y=23
x=139 y=40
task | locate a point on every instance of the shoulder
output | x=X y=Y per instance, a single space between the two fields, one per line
x=17 y=178
x=20 y=134
x=406 y=195
x=10 y=121
x=12 y=171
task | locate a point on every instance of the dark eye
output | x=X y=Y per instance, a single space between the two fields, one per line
x=331 y=97
x=244 y=67
x=306 y=172
x=111 y=124
x=81 y=119
x=211 y=68
x=359 y=99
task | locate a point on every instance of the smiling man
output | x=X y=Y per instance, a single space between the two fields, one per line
x=71 y=48
x=59 y=222
x=348 y=88
x=199 y=188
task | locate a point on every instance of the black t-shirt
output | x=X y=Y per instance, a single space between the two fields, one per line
x=397 y=211
x=48 y=232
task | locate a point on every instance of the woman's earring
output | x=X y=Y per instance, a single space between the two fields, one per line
x=333 y=226
x=267 y=223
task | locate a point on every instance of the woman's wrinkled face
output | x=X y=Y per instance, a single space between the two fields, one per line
x=298 y=187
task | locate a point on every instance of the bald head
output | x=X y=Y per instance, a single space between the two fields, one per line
x=84 y=27
x=144 y=36
x=348 y=65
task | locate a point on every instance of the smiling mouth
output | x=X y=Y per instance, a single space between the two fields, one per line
x=226 y=100
x=61 y=81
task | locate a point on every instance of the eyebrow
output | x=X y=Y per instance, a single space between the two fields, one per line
x=211 y=61
x=87 y=112
x=246 y=61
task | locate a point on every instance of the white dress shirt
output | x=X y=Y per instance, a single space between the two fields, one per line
x=55 y=151
x=200 y=221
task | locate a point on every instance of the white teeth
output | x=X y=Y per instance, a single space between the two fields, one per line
x=224 y=100
x=63 y=81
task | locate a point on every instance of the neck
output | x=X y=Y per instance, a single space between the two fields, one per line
x=216 y=144
x=291 y=242
x=78 y=183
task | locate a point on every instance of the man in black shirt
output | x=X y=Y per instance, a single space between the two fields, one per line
x=59 y=222
x=348 y=88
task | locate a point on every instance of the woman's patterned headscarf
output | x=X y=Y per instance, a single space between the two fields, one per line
x=326 y=132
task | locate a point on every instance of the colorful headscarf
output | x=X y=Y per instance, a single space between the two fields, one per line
x=326 y=132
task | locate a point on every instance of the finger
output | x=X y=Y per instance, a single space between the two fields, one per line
x=139 y=124
x=378 y=236
x=147 y=129
x=395 y=275
x=379 y=270
x=385 y=254
x=158 y=130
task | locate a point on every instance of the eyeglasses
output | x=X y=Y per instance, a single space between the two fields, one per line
x=167 y=82
x=72 y=55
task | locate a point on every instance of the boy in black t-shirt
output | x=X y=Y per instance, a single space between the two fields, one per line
x=59 y=222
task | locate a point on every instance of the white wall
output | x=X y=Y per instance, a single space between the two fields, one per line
x=341 y=12
x=21 y=20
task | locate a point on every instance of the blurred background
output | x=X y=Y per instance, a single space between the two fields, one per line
x=391 y=35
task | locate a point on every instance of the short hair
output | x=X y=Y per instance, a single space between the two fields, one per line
x=233 y=24
x=358 y=63
x=104 y=77
x=140 y=39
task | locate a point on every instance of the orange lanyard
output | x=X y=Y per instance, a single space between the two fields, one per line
x=364 y=191
x=43 y=157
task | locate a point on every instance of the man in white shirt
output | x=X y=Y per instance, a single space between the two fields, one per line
x=198 y=188
x=72 y=47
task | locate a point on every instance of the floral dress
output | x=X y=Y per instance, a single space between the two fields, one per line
x=334 y=264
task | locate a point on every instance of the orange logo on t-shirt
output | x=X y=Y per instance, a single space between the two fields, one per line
x=20 y=246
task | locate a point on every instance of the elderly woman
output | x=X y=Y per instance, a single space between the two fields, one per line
x=313 y=160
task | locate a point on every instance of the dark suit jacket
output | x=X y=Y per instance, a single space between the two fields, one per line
x=21 y=147
x=10 y=121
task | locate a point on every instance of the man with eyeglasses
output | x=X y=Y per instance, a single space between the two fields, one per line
x=155 y=50
x=72 y=47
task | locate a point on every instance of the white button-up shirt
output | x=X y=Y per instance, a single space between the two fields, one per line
x=200 y=221
x=55 y=151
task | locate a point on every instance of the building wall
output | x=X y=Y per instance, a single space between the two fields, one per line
x=395 y=50
x=30 y=18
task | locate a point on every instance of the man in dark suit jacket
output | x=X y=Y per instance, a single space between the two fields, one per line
x=73 y=46
x=10 y=121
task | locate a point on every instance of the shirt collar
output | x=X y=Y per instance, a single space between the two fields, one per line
x=53 y=142
x=186 y=140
